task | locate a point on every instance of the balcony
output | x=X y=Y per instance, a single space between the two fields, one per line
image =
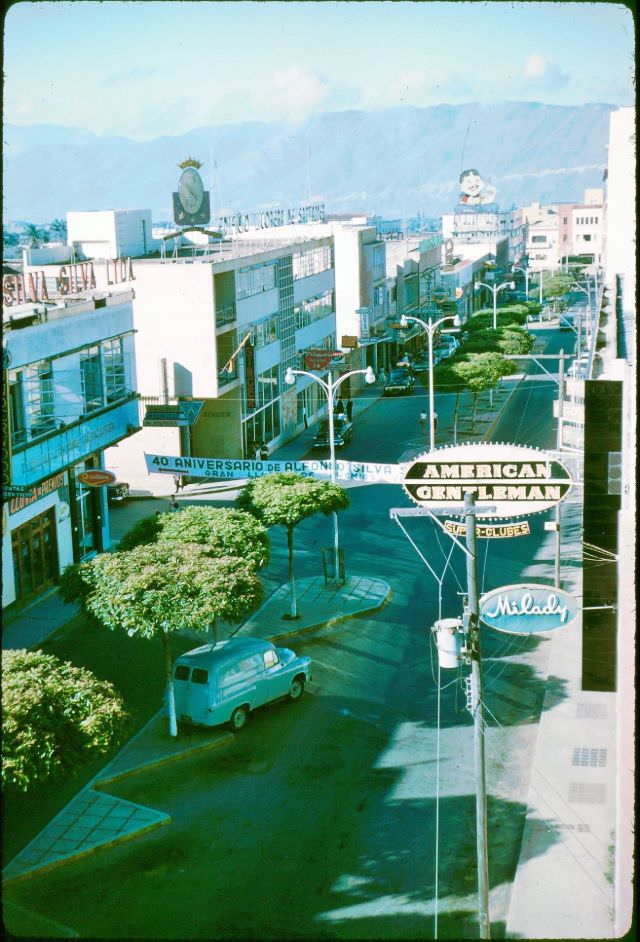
x=225 y=315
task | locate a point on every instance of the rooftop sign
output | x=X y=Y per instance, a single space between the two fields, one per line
x=517 y=479
x=527 y=609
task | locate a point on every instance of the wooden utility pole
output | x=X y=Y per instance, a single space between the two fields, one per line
x=559 y=446
x=472 y=620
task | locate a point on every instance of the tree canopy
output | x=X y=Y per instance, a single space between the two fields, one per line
x=55 y=717
x=286 y=498
x=218 y=531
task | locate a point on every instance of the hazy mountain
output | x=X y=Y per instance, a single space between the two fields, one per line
x=394 y=161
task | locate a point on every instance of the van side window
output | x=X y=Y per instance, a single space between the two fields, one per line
x=182 y=672
x=251 y=665
x=270 y=658
x=199 y=676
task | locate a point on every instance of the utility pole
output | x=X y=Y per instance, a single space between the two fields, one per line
x=472 y=625
x=559 y=446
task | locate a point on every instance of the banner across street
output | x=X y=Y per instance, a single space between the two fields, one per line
x=239 y=469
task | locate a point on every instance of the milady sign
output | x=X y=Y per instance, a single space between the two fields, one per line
x=515 y=479
x=527 y=609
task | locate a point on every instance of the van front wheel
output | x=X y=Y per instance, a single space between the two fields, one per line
x=238 y=718
x=296 y=689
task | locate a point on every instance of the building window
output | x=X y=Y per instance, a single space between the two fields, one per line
x=91 y=376
x=250 y=281
x=538 y=239
x=312 y=309
x=265 y=331
x=311 y=261
x=17 y=410
x=114 y=371
x=40 y=399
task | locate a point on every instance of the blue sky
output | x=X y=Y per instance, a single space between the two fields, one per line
x=147 y=69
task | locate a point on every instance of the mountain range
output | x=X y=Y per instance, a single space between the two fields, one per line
x=394 y=162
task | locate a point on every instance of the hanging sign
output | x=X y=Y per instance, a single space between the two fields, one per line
x=320 y=359
x=489 y=531
x=368 y=472
x=250 y=375
x=96 y=477
x=527 y=609
x=515 y=479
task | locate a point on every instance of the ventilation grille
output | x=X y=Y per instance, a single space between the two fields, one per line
x=587 y=793
x=596 y=758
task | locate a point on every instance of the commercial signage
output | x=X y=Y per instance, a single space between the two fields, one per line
x=20 y=501
x=168 y=415
x=349 y=341
x=191 y=202
x=250 y=374
x=320 y=359
x=516 y=480
x=21 y=288
x=489 y=531
x=527 y=609
x=96 y=477
x=270 y=218
x=368 y=472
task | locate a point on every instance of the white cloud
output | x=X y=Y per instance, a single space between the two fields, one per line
x=540 y=74
x=535 y=66
x=294 y=94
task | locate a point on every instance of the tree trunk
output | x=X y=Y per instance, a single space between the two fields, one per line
x=294 y=600
x=171 y=700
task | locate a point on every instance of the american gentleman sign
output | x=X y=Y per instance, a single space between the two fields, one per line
x=515 y=479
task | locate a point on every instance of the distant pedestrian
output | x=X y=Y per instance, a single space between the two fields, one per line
x=177 y=482
x=422 y=419
x=349 y=408
x=173 y=503
x=255 y=450
x=382 y=376
x=304 y=417
x=435 y=422
x=264 y=451
x=339 y=408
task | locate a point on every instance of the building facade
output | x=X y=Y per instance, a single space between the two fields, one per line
x=69 y=373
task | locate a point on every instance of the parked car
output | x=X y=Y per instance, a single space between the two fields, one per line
x=400 y=383
x=404 y=363
x=117 y=492
x=342 y=432
x=224 y=682
x=446 y=347
x=421 y=366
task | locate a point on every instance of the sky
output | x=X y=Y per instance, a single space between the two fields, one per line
x=148 y=69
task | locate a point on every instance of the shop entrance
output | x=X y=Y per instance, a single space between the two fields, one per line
x=35 y=556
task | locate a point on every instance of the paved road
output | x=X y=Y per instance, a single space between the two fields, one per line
x=320 y=820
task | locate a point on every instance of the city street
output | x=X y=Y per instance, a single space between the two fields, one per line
x=320 y=820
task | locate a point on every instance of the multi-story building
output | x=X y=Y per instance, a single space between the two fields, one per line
x=543 y=232
x=216 y=333
x=69 y=372
x=110 y=233
x=477 y=226
x=587 y=222
x=561 y=230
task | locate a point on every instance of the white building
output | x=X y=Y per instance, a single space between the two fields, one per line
x=480 y=227
x=215 y=335
x=110 y=233
x=588 y=226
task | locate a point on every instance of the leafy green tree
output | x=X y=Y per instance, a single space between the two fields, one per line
x=59 y=228
x=284 y=499
x=482 y=371
x=55 y=717
x=34 y=235
x=167 y=587
x=9 y=238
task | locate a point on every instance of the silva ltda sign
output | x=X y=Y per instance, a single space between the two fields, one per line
x=514 y=479
x=527 y=609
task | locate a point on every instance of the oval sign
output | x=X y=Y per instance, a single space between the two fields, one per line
x=527 y=609
x=97 y=477
x=516 y=480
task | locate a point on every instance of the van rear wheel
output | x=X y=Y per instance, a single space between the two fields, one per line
x=238 y=718
x=297 y=688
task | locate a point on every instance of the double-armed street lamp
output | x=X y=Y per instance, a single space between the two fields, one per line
x=430 y=327
x=330 y=385
x=525 y=272
x=495 y=289
x=575 y=287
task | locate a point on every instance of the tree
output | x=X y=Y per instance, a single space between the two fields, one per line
x=165 y=587
x=284 y=499
x=34 y=235
x=55 y=717
x=481 y=371
x=59 y=228
x=219 y=531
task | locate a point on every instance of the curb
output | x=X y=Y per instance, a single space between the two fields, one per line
x=335 y=620
x=223 y=740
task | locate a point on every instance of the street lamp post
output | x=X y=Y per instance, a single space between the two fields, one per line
x=330 y=387
x=495 y=289
x=586 y=291
x=430 y=327
x=525 y=272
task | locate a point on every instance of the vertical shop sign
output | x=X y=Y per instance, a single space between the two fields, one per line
x=250 y=374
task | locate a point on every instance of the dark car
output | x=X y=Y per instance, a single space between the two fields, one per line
x=118 y=492
x=342 y=432
x=400 y=383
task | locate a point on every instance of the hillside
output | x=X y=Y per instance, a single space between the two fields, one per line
x=394 y=162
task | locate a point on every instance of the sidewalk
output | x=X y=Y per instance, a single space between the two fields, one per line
x=94 y=819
